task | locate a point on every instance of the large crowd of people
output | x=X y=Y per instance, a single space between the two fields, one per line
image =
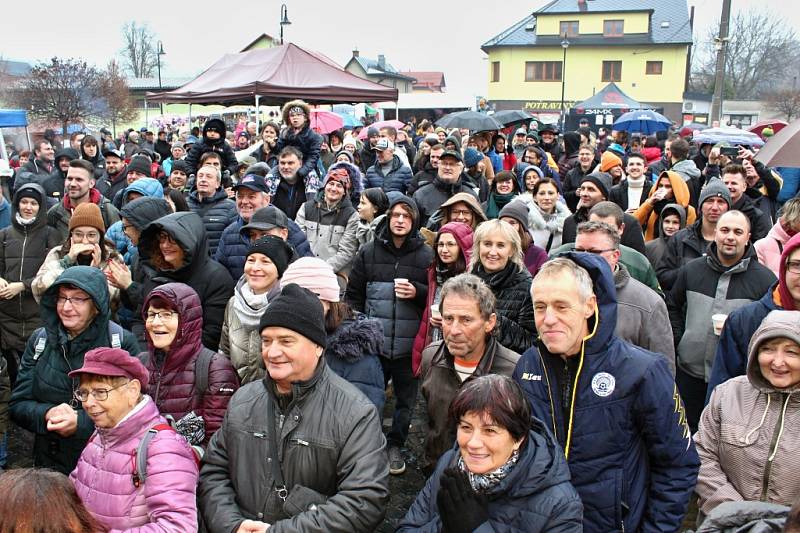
x=205 y=328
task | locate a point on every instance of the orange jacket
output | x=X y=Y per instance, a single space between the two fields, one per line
x=648 y=218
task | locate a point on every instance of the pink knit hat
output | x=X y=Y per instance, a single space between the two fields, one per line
x=314 y=274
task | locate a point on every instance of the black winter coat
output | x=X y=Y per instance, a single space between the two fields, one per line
x=397 y=179
x=572 y=181
x=202 y=146
x=307 y=141
x=22 y=252
x=631 y=236
x=430 y=197
x=535 y=497
x=685 y=245
x=210 y=280
x=370 y=289
x=516 y=328
x=217 y=212
x=760 y=222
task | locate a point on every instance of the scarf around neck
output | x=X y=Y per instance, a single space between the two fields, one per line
x=249 y=306
x=484 y=483
x=497 y=202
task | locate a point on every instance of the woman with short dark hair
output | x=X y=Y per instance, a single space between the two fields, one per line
x=505 y=472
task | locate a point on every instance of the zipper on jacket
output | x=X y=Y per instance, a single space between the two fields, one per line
x=21 y=267
x=773 y=445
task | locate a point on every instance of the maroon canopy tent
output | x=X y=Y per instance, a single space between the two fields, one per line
x=271 y=76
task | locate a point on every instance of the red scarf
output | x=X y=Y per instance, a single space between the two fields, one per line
x=94 y=196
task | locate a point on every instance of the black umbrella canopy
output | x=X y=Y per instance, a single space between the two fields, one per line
x=515 y=116
x=470 y=120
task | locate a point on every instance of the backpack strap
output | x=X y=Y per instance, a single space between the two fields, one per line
x=140 y=459
x=201 y=367
x=39 y=344
x=115 y=334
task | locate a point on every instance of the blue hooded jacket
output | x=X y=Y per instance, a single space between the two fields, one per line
x=624 y=429
x=147 y=187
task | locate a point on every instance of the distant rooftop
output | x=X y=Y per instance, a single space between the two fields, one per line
x=14 y=68
x=373 y=67
x=152 y=83
x=427 y=79
x=669 y=24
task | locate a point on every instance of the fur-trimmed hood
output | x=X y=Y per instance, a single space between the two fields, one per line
x=295 y=103
x=356 y=338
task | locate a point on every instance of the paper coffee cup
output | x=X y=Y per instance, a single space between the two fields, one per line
x=400 y=280
x=718 y=321
x=435 y=311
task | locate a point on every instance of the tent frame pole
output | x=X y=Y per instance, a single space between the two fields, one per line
x=258 y=115
x=190 y=116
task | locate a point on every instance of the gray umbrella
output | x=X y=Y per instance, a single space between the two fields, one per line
x=470 y=120
x=514 y=116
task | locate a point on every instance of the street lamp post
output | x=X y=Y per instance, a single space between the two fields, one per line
x=284 y=19
x=158 y=62
x=564 y=45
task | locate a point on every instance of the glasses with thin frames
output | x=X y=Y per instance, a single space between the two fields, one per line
x=74 y=300
x=793 y=267
x=100 y=395
x=163 y=316
x=80 y=236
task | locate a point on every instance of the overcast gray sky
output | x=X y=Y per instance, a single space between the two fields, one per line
x=412 y=34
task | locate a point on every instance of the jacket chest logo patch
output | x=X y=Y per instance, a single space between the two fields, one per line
x=603 y=384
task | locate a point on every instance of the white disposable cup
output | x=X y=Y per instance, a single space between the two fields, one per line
x=435 y=311
x=400 y=280
x=718 y=321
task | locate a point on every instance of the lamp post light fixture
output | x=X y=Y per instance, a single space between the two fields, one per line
x=564 y=45
x=160 y=53
x=284 y=19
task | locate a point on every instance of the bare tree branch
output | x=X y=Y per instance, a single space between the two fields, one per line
x=139 y=51
x=66 y=90
x=786 y=101
x=760 y=48
x=115 y=101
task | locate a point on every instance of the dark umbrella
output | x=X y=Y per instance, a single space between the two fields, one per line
x=692 y=127
x=507 y=118
x=783 y=148
x=470 y=120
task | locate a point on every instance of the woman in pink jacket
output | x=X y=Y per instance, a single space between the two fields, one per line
x=770 y=248
x=159 y=494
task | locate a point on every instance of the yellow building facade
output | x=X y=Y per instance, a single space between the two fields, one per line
x=641 y=45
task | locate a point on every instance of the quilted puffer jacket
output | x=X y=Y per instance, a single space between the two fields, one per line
x=22 y=252
x=535 y=497
x=103 y=478
x=233 y=245
x=172 y=373
x=397 y=179
x=516 y=328
x=217 y=213
x=370 y=289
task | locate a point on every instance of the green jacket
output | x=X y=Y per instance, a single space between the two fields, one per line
x=637 y=264
x=43 y=383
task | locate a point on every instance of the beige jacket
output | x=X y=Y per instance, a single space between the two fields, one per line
x=749 y=435
x=54 y=265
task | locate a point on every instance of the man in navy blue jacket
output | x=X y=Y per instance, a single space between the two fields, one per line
x=612 y=406
x=253 y=206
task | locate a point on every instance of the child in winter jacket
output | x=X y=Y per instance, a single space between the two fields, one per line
x=213 y=141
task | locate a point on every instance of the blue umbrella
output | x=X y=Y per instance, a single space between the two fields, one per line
x=643 y=121
x=349 y=120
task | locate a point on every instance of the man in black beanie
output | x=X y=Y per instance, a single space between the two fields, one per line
x=333 y=474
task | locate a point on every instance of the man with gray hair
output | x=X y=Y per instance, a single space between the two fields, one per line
x=642 y=317
x=210 y=201
x=612 y=406
x=469 y=350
